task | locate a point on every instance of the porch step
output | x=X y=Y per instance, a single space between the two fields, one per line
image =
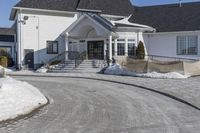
x=87 y=66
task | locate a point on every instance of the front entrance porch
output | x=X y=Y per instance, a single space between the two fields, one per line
x=91 y=36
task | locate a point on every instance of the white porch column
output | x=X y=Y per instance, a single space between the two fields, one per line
x=66 y=46
x=110 y=49
x=126 y=47
x=105 y=48
x=115 y=47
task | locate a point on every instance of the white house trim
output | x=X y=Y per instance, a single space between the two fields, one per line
x=81 y=18
x=175 y=32
x=88 y=10
x=12 y=16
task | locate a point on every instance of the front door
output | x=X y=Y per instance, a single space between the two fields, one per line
x=96 y=50
x=29 y=58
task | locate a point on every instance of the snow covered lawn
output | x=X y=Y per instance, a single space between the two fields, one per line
x=116 y=69
x=18 y=98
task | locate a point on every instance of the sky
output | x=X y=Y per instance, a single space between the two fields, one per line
x=6 y=5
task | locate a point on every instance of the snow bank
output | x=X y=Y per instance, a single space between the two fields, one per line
x=6 y=69
x=171 y=75
x=116 y=69
x=18 y=98
x=42 y=70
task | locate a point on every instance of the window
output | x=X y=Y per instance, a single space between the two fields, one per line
x=52 y=47
x=121 y=47
x=187 y=45
x=131 y=47
x=7 y=38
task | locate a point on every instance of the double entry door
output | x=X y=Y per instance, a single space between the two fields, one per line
x=95 y=50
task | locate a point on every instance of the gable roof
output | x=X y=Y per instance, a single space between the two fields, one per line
x=60 y=5
x=120 y=7
x=111 y=7
x=169 y=18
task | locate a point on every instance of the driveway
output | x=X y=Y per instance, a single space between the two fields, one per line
x=91 y=106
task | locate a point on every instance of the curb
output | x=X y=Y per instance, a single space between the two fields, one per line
x=117 y=82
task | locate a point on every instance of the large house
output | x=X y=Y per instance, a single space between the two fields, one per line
x=102 y=28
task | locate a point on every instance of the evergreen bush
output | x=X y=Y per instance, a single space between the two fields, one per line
x=4 y=61
x=140 y=51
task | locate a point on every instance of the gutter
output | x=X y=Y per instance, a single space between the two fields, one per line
x=42 y=10
x=172 y=32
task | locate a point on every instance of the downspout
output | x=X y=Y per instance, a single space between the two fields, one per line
x=77 y=4
x=38 y=28
x=20 y=39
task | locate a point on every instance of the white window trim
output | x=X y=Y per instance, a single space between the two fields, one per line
x=187 y=44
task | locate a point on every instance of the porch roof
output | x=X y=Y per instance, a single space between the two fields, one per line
x=109 y=27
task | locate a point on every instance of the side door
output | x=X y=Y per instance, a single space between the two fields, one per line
x=29 y=58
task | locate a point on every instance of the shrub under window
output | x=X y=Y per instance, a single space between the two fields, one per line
x=52 y=47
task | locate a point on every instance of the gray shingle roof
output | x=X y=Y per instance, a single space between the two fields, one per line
x=168 y=18
x=61 y=5
x=111 y=7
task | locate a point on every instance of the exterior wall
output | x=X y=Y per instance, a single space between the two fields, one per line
x=164 y=44
x=39 y=28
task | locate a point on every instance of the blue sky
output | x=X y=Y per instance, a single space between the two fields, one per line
x=6 y=5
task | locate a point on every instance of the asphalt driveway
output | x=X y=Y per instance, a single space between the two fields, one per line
x=89 y=106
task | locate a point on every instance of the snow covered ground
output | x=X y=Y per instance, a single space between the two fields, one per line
x=18 y=98
x=41 y=70
x=6 y=69
x=116 y=69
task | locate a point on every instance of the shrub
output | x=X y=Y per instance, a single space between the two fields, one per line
x=140 y=52
x=4 y=61
x=10 y=61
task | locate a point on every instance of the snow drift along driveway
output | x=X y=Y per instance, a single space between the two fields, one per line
x=18 y=98
x=116 y=69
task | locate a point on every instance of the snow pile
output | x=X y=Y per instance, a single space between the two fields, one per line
x=171 y=75
x=6 y=69
x=18 y=98
x=116 y=69
x=42 y=70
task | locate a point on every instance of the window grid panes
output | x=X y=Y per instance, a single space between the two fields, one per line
x=131 y=49
x=52 y=47
x=120 y=49
x=187 y=45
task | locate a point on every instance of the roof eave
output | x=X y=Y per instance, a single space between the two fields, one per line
x=137 y=28
x=13 y=12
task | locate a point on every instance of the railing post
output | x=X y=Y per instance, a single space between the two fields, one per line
x=66 y=46
x=110 y=49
